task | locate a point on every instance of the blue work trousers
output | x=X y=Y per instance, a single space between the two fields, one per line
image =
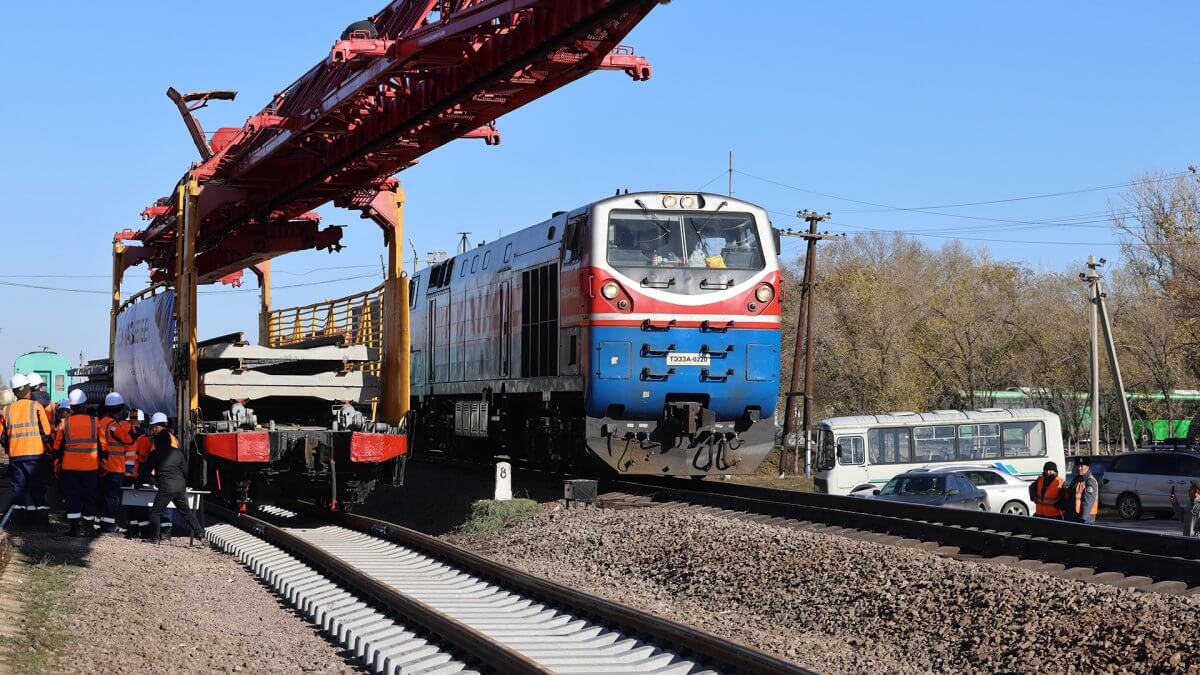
x=110 y=499
x=27 y=476
x=79 y=494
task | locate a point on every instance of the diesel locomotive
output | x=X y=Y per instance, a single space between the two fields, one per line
x=641 y=331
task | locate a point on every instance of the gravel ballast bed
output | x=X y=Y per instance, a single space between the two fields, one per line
x=836 y=604
x=140 y=608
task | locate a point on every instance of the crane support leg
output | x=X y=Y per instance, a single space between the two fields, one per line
x=387 y=210
x=263 y=271
x=187 y=379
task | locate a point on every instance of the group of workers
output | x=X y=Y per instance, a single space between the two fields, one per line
x=95 y=451
x=1080 y=501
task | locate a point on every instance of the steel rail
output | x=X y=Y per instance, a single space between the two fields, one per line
x=454 y=632
x=1158 y=556
x=709 y=648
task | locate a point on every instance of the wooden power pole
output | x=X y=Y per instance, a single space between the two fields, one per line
x=1099 y=323
x=804 y=348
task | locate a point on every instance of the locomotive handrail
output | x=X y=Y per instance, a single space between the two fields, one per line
x=707 y=327
x=706 y=376
x=647 y=324
x=724 y=285
x=716 y=355
x=647 y=282
x=647 y=375
x=648 y=351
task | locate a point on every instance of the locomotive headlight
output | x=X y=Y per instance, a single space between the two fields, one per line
x=687 y=202
x=764 y=293
x=669 y=201
x=610 y=290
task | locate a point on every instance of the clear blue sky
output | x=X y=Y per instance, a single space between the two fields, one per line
x=899 y=104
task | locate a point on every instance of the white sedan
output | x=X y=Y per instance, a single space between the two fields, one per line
x=1005 y=492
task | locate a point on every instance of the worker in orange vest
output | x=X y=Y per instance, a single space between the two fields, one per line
x=1046 y=491
x=118 y=436
x=139 y=516
x=26 y=438
x=1084 y=493
x=81 y=448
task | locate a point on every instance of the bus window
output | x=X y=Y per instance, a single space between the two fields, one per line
x=825 y=454
x=849 y=450
x=933 y=444
x=1024 y=439
x=889 y=445
x=978 y=441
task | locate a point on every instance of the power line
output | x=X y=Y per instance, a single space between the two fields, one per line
x=888 y=207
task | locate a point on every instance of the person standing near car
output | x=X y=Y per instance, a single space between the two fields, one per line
x=1189 y=514
x=1046 y=491
x=1083 y=497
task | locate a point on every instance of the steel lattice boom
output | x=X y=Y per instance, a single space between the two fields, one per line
x=415 y=76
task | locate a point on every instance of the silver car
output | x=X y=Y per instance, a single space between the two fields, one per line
x=1136 y=482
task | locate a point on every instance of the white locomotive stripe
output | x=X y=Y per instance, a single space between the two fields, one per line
x=711 y=318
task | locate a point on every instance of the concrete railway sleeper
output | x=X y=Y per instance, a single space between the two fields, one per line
x=488 y=616
x=1155 y=562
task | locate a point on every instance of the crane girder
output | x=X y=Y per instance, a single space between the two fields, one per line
x=420 y=74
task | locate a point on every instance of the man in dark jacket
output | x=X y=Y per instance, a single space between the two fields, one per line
x=1083 y=496
x=169 y=463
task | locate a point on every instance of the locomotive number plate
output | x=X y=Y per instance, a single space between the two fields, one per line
x=688 y=359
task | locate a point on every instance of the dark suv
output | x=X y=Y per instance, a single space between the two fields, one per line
x=1141 y=481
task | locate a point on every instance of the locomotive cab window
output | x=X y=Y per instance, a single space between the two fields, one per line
x=688 y=240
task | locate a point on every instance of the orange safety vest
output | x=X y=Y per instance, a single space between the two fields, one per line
x=142 y=448
x=1045 y=500
x=118 y=437
x=80 y=442
x=1080 y=486
x=26 y=427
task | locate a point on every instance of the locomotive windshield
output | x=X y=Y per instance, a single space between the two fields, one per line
x=688 y=240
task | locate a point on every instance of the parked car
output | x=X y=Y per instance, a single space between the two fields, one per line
x=1141 y=481
x=1099 y=464
x=950 y=489
x=1004 y=492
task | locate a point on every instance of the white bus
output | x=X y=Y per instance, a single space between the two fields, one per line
x=864 y=451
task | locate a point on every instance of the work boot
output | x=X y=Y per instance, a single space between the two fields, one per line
x=108 y=528
x=166 y=532
x=133 y=531
x=43 y=520
x=16 y=521
x=73 y=527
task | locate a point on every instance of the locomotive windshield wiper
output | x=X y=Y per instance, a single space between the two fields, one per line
x=654 y=218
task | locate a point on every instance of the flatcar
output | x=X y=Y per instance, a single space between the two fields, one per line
x=640 y=331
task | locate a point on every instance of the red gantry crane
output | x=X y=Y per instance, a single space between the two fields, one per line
x=413 y=77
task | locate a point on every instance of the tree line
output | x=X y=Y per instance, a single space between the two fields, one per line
x=903 y=325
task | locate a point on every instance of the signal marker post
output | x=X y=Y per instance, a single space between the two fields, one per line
x=503 y=491
x=804 y=347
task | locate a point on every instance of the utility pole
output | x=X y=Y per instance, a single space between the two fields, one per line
x=1098 y=322
x=730 y=173
x=804 y=347
x=414 y=258
x=463 y=242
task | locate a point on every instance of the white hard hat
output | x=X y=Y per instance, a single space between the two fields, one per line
x=17 y=381
x=114 y=399
x=6 y=397
x=139 y=415
x=76 y=397
x=35 y=379
x=158 y=418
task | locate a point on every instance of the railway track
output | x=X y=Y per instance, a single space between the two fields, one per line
x=406 y=602
x=1122 y=558
x=1118 y=557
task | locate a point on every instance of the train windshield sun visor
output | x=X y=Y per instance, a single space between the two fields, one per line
x=684 y=240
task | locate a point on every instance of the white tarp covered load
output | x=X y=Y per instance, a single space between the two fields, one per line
x=142 y=365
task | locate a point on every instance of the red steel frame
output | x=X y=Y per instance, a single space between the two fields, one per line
x=430 y=72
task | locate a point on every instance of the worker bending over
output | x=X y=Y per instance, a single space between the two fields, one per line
x=26 y=437
x=169 y=464
x=118 y=436
x=80 y=452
